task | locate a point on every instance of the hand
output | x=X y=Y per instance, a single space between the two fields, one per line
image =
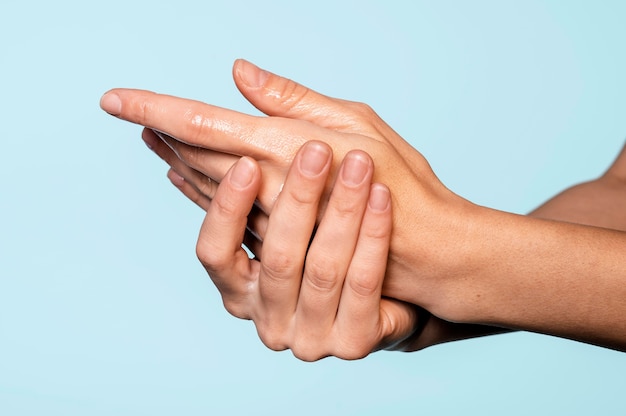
x=318 y=297
x=461 y=262
x=200 y=189
x=427 y=215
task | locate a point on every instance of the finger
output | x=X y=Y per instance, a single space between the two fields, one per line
x=188 y=190
x=332 y=248
x=251 y=239
x=401 y=325
x=278 y=96
x=257 y=219
x=207 y=163
x=203 y=183
x=288 y=234
x=359 y=314
x=192 y=122
x=199 y=165
x=219 y=246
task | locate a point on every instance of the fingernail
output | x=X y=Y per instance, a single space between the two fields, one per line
x=313 y=159
x=250 y=74
x=380 y=198
x=242 y=173
x=354 y=169
x=111 y=103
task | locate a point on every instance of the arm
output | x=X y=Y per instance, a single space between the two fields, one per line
x=600 y=202
x=461 y=281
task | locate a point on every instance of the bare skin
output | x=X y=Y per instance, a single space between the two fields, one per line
x=588 y=203
x=319 y=296
x=461 y=262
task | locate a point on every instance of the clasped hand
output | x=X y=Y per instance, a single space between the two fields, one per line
x=464 y=264
x=205 y=141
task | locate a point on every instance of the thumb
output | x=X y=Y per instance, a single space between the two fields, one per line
x=282 y=97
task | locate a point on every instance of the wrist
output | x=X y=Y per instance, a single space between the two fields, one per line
x=435 y=256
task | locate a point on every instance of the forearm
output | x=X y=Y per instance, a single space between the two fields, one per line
x=600 y=203
x=550 y=277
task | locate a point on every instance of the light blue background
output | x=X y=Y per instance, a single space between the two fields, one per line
x=103 y=306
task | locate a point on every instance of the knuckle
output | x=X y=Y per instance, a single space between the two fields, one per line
x=271 y=339
x=205 y=186
x=200 y=124
x=291 y=94
x=301 y=198
x=212 y=259
x=321 y=276
x=364 y=284
x=354 y=349
x=355 y=353
x=142 y=109
x=363 y=110
x=307 y=352
x=142 y=112
x=224 y=206
x=377 y=235
x=236 y=309
x=278 y=266
x=347 y=206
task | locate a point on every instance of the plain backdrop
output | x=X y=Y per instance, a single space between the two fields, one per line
x=104 y=308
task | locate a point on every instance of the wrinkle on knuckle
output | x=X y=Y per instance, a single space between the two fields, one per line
x=364 y=285
x=225 y=207
x=279 y=266
x=205 y=186
x=209 y=257
x=200 y=125
x=142 y=110
x=322 y=277
x=291 y=94
x=214 y=258
x=301 y=198
x=378 y=235
x=347 y=207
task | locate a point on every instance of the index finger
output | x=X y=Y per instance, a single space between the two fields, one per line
x=189 y=121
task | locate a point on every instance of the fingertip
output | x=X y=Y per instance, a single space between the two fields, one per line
x=176 y=179
x=149 y=138
x=243 y=173
x=314 y=157
x=356 y=167
x=111 y=103
x=250 y=75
